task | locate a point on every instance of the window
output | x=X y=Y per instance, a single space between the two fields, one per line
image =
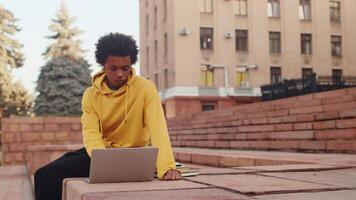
x=156 y=81
x=207 y=77
x=156 y=51
x=337 y=76
x=165 y=48
x=206 y=38
x=166 y=78
x=335 y=11
x=165 y=9
x=206 y=6
x=306 y=42
x=304 y=9
x=241 y=40
x=275 y=42
x=241 y=78
x=240 y=7
x=148 y=59
x=273 y=8
x=336 y=48
x=208 y=106
x=147 y=25
x=276 y=75
x=155 y=17
x=306 y=72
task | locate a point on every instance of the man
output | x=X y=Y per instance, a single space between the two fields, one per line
x=120 y=109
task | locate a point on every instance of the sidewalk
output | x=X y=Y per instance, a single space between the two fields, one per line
x=312 y=177
x=15 y=183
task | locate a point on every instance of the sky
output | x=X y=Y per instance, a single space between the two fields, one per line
x=94 y=17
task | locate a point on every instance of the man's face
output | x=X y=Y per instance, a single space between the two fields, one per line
x=117 y=69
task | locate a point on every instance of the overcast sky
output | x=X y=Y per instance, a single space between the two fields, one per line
x=95 y=17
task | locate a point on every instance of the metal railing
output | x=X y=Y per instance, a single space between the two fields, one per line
x=305 y=85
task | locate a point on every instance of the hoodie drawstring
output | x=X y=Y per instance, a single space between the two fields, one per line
x=100 y=120
x=126 y=95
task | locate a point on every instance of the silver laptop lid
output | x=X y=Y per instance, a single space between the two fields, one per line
x=122 y=164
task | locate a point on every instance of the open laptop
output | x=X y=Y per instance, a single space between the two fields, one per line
x=122 y=165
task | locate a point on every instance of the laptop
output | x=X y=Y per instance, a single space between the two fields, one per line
x=114 y=165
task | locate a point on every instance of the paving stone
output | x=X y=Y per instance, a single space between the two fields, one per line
x=15 y=183
x=331 y=195
x=340 y=178
x=256 y=184
x=186 y=194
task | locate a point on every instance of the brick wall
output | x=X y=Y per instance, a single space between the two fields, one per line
x=19 y=133
x=322 y=122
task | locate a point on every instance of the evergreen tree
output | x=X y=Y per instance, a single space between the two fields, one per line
x=66 y=74
x=61 y=84
x=10 y=58
x=65 y=43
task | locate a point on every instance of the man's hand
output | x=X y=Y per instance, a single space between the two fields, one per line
x=172 y=175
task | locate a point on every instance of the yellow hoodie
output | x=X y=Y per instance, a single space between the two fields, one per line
x=129 y=117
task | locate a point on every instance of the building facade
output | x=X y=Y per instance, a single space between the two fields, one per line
x=208 y=54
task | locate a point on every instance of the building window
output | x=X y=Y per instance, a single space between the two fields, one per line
x=165 y=48
x=336 y=46
x=156 y=51
x=240 y=7
x=306 y=42
x=335 y=11
x=207 y=77
x=241 y=79
x=155 y=17
x=275 y=42
x=157 y=81
x=147 y=25
x=206 y=38
x=148 y=59
x=241 y=40
x=337 y=76
x=165 y=10
x=208 y=106
x=166 y=78
x=273 y=8
x=276 y=75
x=206 y=6
x=304 y=9
x=306 y=72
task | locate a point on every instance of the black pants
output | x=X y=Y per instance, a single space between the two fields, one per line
x=48 y=179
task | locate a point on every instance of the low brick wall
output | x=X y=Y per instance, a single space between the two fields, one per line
x=18 y=133
x=322 y=122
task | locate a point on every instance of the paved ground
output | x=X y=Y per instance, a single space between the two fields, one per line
x=322 y=176
x=15 y=183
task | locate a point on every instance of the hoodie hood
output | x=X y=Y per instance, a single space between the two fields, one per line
x=101 y=87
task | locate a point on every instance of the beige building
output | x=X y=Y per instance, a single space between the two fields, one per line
x=208 y=54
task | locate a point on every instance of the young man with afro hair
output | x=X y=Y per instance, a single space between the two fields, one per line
x=120 y=109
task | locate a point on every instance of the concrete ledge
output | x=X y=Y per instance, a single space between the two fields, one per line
x=216 y=159
x=40 y=155
x=79 y=189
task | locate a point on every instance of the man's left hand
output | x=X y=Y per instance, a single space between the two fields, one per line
x=172 y=175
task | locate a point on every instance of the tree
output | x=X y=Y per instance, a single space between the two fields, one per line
x=10 y=58
x=20 y=101
x=65 y=43
x=60 y=85
x=66 y=74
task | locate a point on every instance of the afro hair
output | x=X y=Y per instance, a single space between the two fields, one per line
x=116 y=44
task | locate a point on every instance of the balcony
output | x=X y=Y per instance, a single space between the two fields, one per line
x=209 y=91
